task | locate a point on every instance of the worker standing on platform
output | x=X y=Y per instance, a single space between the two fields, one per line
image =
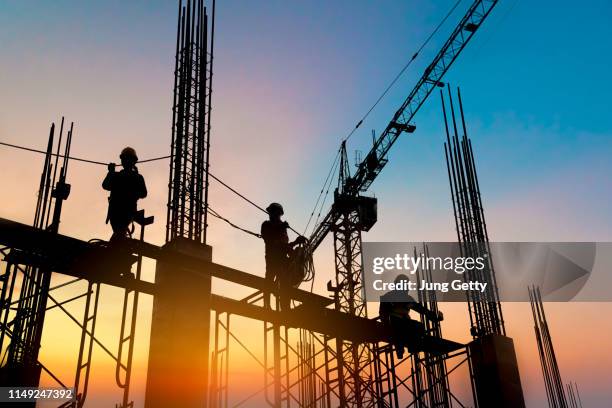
x=278 y=252
x=394 y=311
x=126 y=188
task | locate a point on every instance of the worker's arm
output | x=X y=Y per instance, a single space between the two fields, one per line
x=419 y=308
x=142 y=188
x=299 y=240
x=107 y=184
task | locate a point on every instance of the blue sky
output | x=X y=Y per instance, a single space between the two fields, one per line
x=533 y=81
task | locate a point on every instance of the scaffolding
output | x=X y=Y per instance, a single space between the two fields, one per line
x=311 y=316
x=24 y=326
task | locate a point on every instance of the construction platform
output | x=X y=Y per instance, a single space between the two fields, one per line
x=99 y=262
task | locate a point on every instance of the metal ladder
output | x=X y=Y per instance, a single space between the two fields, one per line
x=83 y=369
x=276 y=363
x=7 y=280
x=219 y=384
x=385 y=377
x=332 y=380
x=123 y=369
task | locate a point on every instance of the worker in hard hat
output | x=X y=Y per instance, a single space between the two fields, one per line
x=394 y=311
x=126 y=188
x=278 y=251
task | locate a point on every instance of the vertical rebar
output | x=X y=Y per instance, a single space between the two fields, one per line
x=188 y=182
x=484 y=308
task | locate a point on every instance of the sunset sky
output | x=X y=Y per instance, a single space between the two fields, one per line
x=291 y=80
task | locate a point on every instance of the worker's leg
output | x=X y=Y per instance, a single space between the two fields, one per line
x=120 y=227
x=284 y=280
x=285 y=298
x=407 y=334
x=412 y=332
x=397 y=334
x=273 y=271
x=267 y=292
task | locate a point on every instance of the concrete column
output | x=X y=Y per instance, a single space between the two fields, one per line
x=495 y=372
x=180 y=329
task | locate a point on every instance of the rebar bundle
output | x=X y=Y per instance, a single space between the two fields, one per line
x=484 y=307
x=555 y=392
x=188 y=184
x=30 y=307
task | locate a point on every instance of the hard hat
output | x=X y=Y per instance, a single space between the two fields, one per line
x=129 y=153
x=401 y=277
x=275 y=208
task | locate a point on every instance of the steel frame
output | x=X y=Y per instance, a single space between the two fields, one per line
x=31 y=303
x=219 y=372
x=27 y=324
x=90 y=315
x=310 y=312
x=128 y=322
x=354 y=360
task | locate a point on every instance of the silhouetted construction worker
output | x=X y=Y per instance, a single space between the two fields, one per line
x=278 y=251
x=126 y=188
x=394 y=310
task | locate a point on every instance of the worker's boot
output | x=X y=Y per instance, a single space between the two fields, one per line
x=399 y=351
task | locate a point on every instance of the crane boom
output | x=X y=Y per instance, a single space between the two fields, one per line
x=376 y=159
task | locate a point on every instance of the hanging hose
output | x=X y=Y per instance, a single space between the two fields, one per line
x=301 y=265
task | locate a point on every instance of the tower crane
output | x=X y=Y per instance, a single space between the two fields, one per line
x=351 y=212
x=376 y=159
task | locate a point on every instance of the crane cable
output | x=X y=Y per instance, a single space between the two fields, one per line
x=219 y=216
x=325 y=183
x=29 y=149
x=384 y=93
x=316 y=223
x=397 y=77
x=212 y=212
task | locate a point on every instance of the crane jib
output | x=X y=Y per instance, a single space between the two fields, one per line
x=376 y=158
